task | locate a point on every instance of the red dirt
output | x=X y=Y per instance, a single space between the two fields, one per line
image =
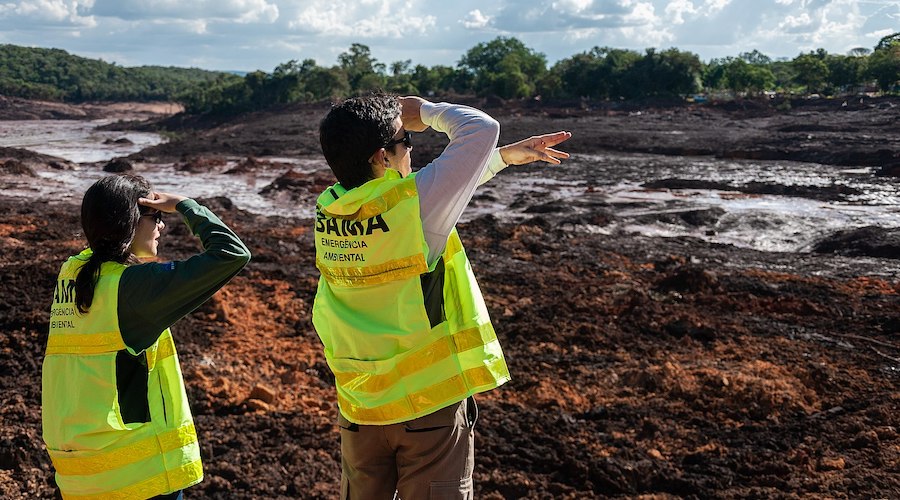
x=642 y=367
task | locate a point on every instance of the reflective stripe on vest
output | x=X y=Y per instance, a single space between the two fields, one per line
x=415 y=362
x=471 y=381
x=393 y=270
x=95 y=453
x=390 y=362
x=191 y=473
x=84 y=343
x=68 y=465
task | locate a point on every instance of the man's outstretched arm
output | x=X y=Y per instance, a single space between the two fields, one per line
x=535 y=148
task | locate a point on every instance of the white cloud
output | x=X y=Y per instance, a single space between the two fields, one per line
x=195 y=26
x=565 y=16
x=643 y=13
x=361 y=19
x=793 y=23
x=239 y=11
x=49 y=12
x=259 y=11
x=833 y=25
x=571 y=6
x=678 y=8
x=476 y=20
x=681 y=11
x=839 y=23
x=878 y=35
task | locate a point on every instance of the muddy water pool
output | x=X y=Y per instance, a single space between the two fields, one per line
x=79 y=141
x=584 y=185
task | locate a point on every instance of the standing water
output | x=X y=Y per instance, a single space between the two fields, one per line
x=78 y=141
x=584 y=184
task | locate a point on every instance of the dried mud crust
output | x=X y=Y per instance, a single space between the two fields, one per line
x=851 y=132
x=641 y=367
x=15 y=108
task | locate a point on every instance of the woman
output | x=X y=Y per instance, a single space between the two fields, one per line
x=116 y=420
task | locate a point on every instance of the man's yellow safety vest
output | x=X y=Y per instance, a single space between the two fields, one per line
x=402 y=340
x=97 y=454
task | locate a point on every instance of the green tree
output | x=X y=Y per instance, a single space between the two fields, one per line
x=748 y=78
x=888 y=41
x=400 y=80
x=616 y=64
x=505 y=67
x=440 y=79
x=785 y=74
x=579 y=76
x=811 y=70
x=845 y=71
x=285 y=81
x=55 y=74
x=713 y=76
x=668 y=73
x=598 y=73
x=755 y=58
x=325 y=83
x=884 y=64
x=364 y=72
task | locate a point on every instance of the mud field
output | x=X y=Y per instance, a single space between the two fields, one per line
x=643 y=367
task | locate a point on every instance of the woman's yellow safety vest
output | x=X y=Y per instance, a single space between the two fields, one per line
x=402 y=340
x=95 y=453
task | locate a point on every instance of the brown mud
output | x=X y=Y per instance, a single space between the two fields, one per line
x=642 y=367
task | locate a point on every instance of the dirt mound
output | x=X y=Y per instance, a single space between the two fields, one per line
x=865 y=241
x=16 y=167
x=833 y=192
x=298 y=185
x=23 y=161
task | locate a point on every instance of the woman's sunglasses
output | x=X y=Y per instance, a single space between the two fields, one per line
x=156 y=214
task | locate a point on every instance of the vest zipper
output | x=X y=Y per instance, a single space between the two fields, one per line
x=162 y=396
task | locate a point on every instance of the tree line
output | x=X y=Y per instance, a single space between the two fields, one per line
x=504 y=67
x=54 y=74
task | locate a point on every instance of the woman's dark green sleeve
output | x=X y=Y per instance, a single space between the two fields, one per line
x=155 y=295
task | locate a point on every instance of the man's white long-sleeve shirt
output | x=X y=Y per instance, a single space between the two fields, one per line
x=446 y=185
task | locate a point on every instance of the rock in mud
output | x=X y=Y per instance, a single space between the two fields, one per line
x=118 y=166
x=299 y=182
x=870 y=241
x=121 y=141
x=199 y=165
x=16 y=167
x=892 y=170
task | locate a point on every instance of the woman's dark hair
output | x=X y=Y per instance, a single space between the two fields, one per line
x=352 y=131
x=109 y=218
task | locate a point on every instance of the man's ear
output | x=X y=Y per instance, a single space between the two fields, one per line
x=379 y=163
x=379 y=158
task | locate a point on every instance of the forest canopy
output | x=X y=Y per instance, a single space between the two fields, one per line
x=504 y=67
x=54 y=74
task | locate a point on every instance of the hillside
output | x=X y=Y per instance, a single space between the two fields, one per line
x=54 y=74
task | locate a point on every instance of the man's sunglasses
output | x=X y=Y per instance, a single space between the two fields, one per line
x=156 y=214
x=406 y=140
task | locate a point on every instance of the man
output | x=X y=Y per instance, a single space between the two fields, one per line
x=405 y=328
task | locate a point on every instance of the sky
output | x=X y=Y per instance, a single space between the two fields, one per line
x=248 y=35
